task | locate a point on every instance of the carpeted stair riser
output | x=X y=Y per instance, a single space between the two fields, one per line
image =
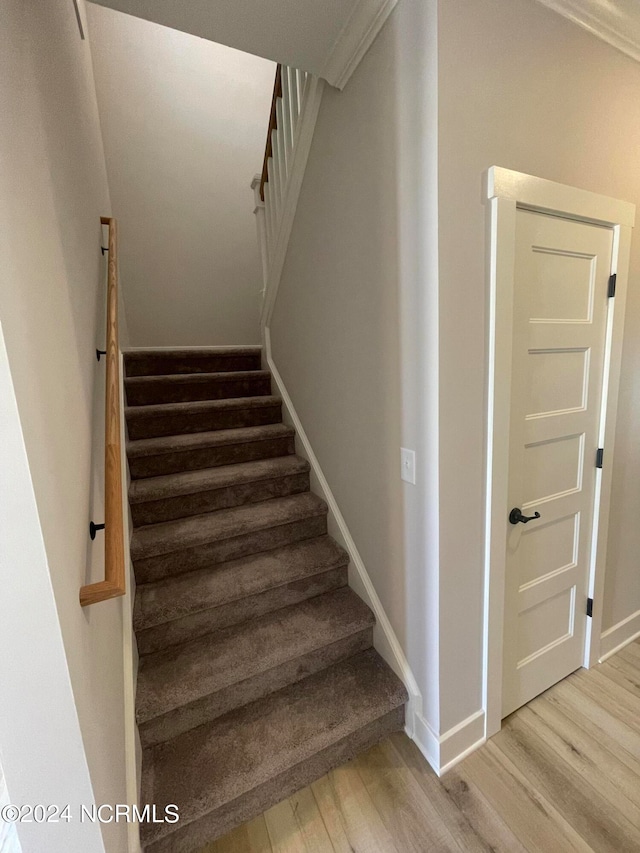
x=205 y=710
x=188 y=685
x=190 y=837
x=153 y=390
x=181 y=630
x=202 y=556
x=158 y=363
x=180 y=418
x=197 y=457
x=183 y=506
x=209 y=767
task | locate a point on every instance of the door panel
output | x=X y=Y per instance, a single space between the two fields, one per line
x=547 y=548
x=558 y=381
x=544 y=624
x=562 y=269
x=552 y=467
x=565 y=285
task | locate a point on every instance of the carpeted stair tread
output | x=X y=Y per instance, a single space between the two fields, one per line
x=196 y=440
x=191 y=387
x=202 y=415
x=183 y=595
x=192 y=451
x=171 y=496
x=184 y=533
x=209 y=767
x=186 y=673
x=189 y=482
x=207 y=359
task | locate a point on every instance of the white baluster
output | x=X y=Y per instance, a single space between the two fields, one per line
x=285 y=151
x=287 y=133
x=304 y=89
x=268 y=221
x=274 y=179
x=295 y=99
x=282 y=166
x=301 y=77
x=273 y=204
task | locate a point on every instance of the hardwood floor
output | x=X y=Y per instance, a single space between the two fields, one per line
x=562 y=775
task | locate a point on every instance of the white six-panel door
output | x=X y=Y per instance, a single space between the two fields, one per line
x=561 y=278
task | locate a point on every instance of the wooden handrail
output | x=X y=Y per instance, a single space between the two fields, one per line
x=113 y=584
x=273 y=124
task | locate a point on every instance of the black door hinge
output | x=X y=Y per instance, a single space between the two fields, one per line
x=612 y=285
x=599 y=457
x=589 y=606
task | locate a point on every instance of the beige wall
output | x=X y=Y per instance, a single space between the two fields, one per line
x=537 y=94
x=353 y=330
x=184 y=123
x=53 y=189
x=361 y=253
x=41 y=745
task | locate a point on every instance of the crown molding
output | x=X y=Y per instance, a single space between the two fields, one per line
x=617 y=22
x=355 y=38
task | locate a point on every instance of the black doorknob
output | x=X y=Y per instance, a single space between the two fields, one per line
x=516 y=516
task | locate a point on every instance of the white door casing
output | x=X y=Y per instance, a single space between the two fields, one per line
x=554 y=363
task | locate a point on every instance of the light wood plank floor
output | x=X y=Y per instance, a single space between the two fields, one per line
x=562 y=775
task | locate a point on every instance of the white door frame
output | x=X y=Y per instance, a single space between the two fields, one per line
x=506 y=191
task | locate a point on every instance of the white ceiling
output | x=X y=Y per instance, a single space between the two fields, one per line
x=325 y=37
x=329 y=37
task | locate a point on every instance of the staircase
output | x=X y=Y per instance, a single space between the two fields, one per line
x=257 y=672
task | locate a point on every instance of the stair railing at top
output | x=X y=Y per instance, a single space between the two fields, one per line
x=294 y=110
x=113 y=584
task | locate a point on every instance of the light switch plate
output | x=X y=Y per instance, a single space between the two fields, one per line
x=408 y=465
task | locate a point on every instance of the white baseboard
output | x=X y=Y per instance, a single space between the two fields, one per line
x=461 y=740
x=444 y=751
x=427 y=741
x=384 y=638
x=620 y=635
x=132 y=746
